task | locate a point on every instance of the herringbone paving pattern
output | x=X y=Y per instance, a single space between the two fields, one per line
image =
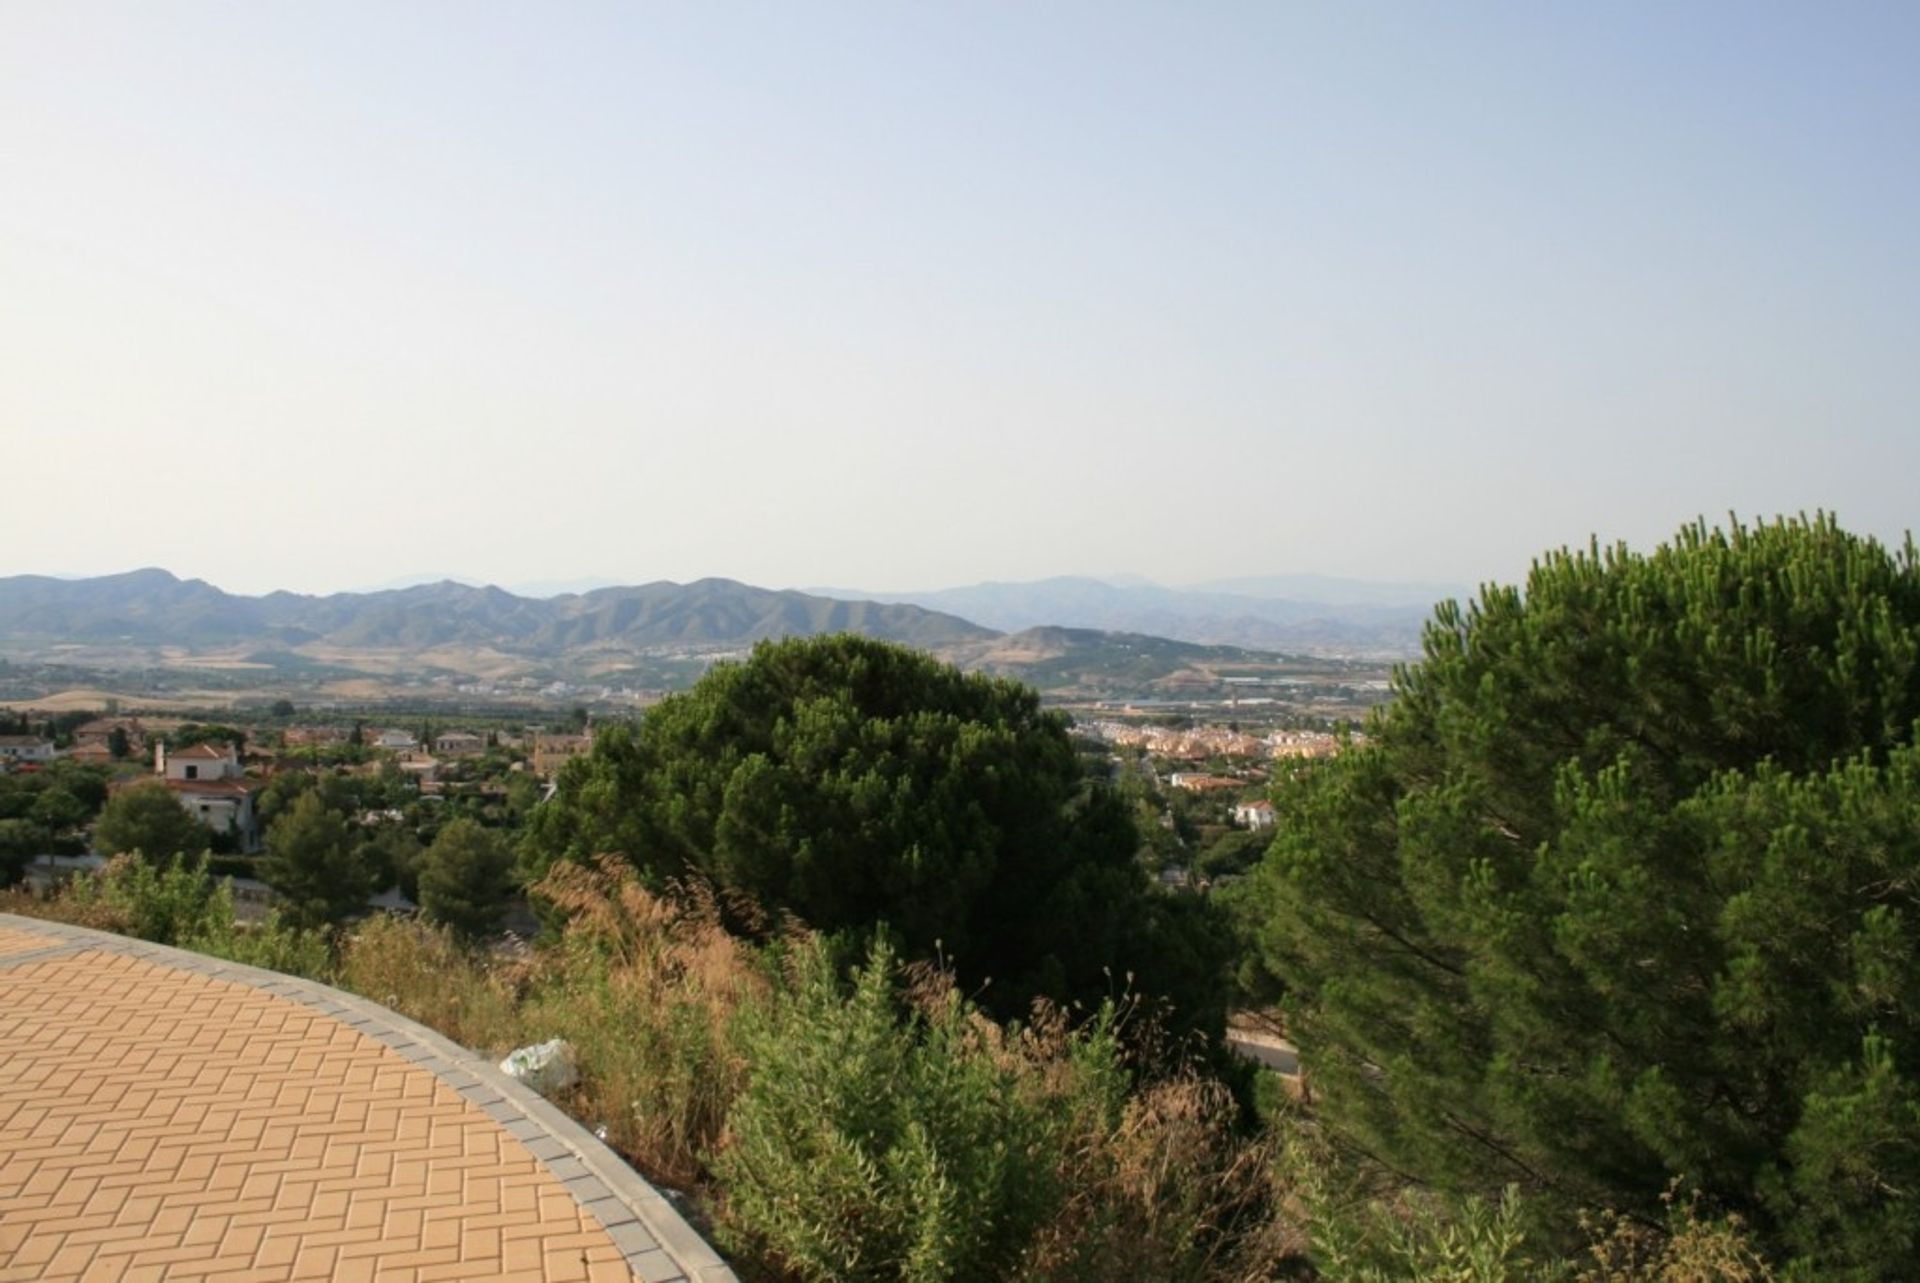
x=160 y=1124
x=14 y=942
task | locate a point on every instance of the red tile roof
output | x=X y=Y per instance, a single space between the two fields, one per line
x=225 y=788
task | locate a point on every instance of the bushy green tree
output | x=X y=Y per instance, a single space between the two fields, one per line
x=20 y=841
x=852 y=782
x=57 y=809
x=148 y=818
x=1623 y=888
x=315 y=865
x=466 y=877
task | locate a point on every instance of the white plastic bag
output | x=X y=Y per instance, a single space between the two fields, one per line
x=546 y=1067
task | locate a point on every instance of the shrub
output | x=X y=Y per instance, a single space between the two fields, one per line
x=183 y=904
x=876 y=1140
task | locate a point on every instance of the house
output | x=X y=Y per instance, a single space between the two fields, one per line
x=91 y=754
x=398 y=741
x=208 y=782
x=100 y=732
x=1254 y=815
x=459 y=744
x=550 y=752
x=25 y=748
x=419 y=767
x=312 y=736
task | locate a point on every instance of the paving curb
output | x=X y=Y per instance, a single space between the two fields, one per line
x=659 y=1245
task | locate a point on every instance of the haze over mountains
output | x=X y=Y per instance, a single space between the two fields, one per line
x=1299 y=613
x=153 y=607
x=1094 y=640
x=1061 y=635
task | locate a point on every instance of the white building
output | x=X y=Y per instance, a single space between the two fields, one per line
x=209 y=783
x=1254 y=815
x=25 y=748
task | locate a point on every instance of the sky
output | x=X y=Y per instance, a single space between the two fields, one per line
x=322 y=295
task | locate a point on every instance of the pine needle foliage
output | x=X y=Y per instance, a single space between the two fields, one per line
x=1622 y=889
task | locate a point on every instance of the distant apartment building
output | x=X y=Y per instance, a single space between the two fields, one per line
x=1194 y=782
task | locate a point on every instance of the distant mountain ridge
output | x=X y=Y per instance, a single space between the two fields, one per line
x=155 y=607
x=1360 y=618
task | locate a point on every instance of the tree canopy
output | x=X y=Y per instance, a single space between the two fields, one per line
x=466 y=877
x=853 y=782
x=147 y=817
x=315 y=864
x=1622 y=889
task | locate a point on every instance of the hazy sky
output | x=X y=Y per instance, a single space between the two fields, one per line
x=320 y=294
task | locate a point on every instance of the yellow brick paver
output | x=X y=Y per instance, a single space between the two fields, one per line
x=157 y=1123
x=14 y=942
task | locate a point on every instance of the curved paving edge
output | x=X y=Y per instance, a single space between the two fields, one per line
x=659 y=1245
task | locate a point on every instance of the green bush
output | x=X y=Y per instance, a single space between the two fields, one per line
x=183 y=904
x=880 y=1139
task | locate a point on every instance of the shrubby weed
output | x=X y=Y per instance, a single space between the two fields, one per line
x=180 y=903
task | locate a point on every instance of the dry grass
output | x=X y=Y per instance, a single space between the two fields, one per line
x=1172 y=1190
x=1695 y=1248
x=423 y=973
x=647 y=988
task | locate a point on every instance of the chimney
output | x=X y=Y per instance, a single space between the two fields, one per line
x=160 y=757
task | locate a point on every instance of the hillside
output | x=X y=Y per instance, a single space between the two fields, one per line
x=148 y=633
x=154 y=608
x=1343 y=619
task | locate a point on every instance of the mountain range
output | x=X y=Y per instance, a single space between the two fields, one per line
x=155 y=608
x=1069 y=637
x=1342 y=616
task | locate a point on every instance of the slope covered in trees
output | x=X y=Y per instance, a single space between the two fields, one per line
x=1622 y=890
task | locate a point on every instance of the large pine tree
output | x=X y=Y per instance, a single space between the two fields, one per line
x=1622 y=888
x=852 y=783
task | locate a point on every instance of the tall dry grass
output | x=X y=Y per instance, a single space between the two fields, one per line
x=426 y=974
x=647 y=987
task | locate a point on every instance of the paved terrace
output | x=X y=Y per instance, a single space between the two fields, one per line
x=169 y=1116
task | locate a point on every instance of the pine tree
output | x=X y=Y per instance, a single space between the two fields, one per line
x=314 y=864
x=852 y=783
x=466 y=877
x=1622 y=889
